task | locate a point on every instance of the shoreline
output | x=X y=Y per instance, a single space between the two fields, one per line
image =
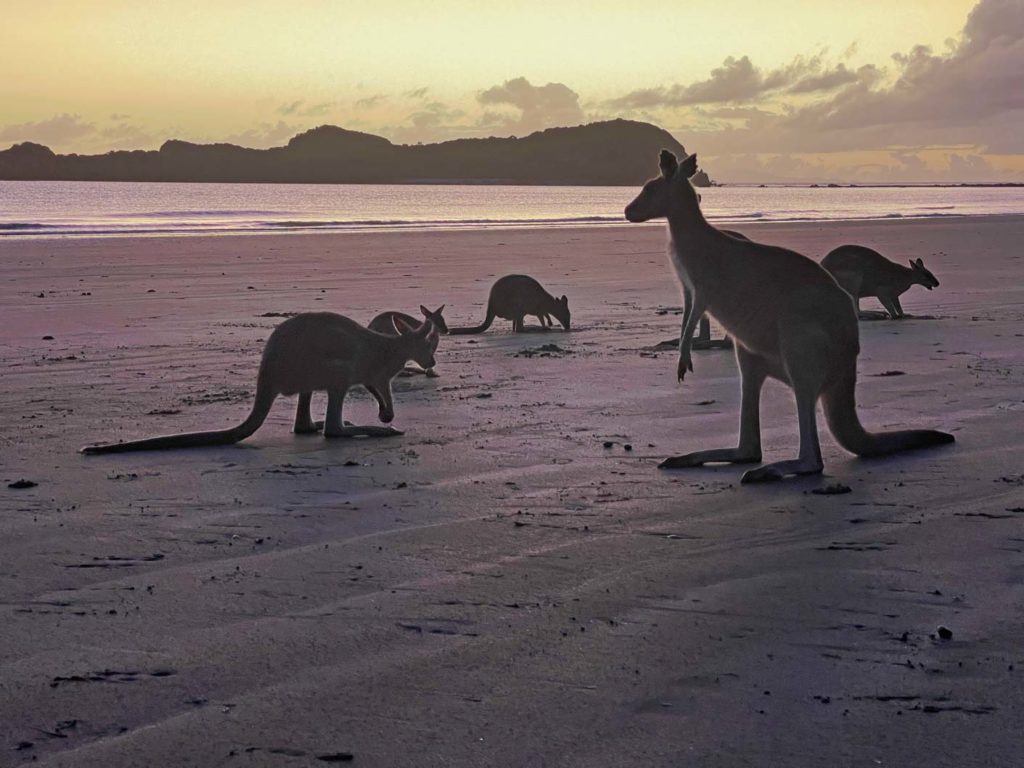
x=15 y=236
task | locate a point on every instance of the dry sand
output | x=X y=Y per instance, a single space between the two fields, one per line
x=496 y=588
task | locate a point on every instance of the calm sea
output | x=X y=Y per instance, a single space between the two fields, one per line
x=91 y=209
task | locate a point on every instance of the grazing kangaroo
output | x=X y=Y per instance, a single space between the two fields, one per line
x=513 y=297
x=385 y=323
x=864 y=272
x=789 y=320
x=315 y=351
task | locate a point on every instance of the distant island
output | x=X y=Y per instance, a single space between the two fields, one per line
x=614 y=152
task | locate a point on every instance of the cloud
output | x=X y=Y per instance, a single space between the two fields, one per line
x=434 y=114
x=416 y=93
x=970 y=166
x=893 y=166
x=740 y=81
x=982 y=78
x=124 y=135
x=538 y=106
x=301 y=109
x=971 y=95
x=369 y=102
x=55 y=132
x=264 y=135
x=435 y=121
x=827 y=81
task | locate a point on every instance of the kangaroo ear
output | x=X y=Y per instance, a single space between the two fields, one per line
x=689 y=166
x=920 y=263
x=439 y=310
x=425 y=311
x=668 y=164
x=913 y=264
x=564 y=300
x=403 y=327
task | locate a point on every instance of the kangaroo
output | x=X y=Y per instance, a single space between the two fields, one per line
x=385 y=323
x=315 y=351
x=703 y=339
x=864 y=272
x=513 y=297
x=789 y=320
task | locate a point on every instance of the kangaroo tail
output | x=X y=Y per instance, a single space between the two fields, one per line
x=840 y=407
x=261 y=407
x=477 y=328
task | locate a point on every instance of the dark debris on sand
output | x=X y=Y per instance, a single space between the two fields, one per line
x=835 y=489
x=545 y=350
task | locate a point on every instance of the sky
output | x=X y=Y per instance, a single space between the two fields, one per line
x=791 y=90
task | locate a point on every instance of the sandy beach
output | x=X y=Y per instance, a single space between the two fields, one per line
x=496 y=587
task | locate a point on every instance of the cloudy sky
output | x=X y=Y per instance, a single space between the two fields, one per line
x=814 y=90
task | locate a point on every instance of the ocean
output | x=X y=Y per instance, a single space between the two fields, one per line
x=46 y=209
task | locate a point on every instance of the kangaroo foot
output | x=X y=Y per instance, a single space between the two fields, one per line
x=700 y=458
x=430 y=373
x=353 y=431
x=725 y=343
x=773 y=472
x=871 y=314
x=313 y=428
x=685 y=461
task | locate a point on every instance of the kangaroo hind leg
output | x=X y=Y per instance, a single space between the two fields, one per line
x=335 y=427
x=753 y=372
x=805 y=357
x=891 y=307
x=304 y=424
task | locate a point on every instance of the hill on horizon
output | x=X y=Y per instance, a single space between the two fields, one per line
x=614 y=152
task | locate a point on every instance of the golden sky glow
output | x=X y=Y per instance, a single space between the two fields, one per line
x=89 y=76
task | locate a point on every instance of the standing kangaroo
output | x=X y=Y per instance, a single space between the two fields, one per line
x=789 y=320
x=703 y=338
x=513 y=297
x=864 y=272
x=387 y=323
x=312 y=352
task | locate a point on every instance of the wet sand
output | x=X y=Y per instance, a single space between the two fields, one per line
x=496 y=587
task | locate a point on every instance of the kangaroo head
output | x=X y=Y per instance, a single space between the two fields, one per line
x=672 y=188
x=922 y=275
x=561 y=311
x=436 y=318
x=421 y=342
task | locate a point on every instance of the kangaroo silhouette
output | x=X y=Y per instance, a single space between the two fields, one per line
x=513 y=297
x=863 y=272
x=703 y=338
x=789 y=320
x=312 y=352
x=385 y=323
